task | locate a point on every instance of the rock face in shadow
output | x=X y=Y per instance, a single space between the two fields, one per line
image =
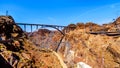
x=4 y=63
x=11 y=34
x=9 y=28
x=19 y=52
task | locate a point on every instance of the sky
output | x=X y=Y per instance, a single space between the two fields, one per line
x=61 y=12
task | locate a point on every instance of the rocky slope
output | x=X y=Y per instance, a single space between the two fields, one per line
x=83 y=45
x=99 y=51
x=44 y=38
x=19 y=52
x=98 y=46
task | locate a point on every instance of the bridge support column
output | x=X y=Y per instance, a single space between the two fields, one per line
x=31 y=28
x=36 y=26
x=25 y=28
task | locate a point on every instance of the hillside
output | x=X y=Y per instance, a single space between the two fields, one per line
x=16 y=51
x=95 y=45
x=83 y=46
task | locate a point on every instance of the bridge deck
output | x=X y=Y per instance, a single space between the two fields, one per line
x=40 y=25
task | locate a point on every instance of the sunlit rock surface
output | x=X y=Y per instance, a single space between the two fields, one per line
x=96 y=45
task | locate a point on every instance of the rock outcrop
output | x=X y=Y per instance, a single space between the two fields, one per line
x=20 y=52
x=11 y=34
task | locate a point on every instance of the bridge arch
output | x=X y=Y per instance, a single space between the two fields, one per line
x=52 y=26
x=42 y=25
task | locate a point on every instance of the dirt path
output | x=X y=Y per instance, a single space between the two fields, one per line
x=61 y=60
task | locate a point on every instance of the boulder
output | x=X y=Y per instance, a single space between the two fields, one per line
x=83 y=65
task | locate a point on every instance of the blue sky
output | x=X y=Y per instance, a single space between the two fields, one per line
x=61 y=12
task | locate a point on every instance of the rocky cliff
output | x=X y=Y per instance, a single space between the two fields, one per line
x=95 y=45
x=16 y=51
x=84 y=45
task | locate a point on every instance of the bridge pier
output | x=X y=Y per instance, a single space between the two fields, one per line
x=36 y=26
x=31 y=28
x=25 y=28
